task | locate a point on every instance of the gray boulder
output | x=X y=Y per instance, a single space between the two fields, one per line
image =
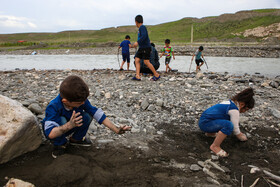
x=19 y=130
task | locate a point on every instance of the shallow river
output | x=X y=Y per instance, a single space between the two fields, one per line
x=234 y=65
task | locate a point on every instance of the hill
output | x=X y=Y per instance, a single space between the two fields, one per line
x=261 y=25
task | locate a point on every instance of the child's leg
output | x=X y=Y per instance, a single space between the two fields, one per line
x=128 y=66
x=223 y=127
x=197 y=68
x=137 y=66
x=166 y=68
x=169 y=68
x=201 y=64
x=128 y=62
x=122 y=65
x=80 y=132
x=151 y=67
x=216 y=145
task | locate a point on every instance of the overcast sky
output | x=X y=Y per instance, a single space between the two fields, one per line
x=19 y=16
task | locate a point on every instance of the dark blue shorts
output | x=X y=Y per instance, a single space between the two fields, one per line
x=197 y=61
x=144 y=53
x=215 y=125
x=126 y=57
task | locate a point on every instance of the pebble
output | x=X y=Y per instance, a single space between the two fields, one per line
x=195 y=167
x=35 y=108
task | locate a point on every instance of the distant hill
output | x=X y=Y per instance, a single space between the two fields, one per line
x=244 y=26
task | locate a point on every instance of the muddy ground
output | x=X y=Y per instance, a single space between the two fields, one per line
x=166 y=163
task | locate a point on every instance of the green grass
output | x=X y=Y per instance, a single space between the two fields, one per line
x=265 y=10
x=178 y=31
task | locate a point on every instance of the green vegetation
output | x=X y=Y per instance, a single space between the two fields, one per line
x=215 y=28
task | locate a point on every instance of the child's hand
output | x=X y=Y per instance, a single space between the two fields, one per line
x=135 y=44
x=122 y=129
x=76 y=119
x=242 y=137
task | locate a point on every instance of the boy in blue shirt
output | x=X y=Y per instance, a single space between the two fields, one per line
x=222 y=119
x=71 y=113
x=125 y=45
x=144 y=51
x=198 y=54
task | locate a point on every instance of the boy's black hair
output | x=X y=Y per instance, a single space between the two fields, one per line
x=152 y=44
x=200 y=48
x=245 y=96
x=127 y=37
x=167 y=41
x=139 y=19
x=74 y=89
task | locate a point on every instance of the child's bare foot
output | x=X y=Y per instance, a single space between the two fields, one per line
x=242 y=137
x=218 y=151
x=212 y=135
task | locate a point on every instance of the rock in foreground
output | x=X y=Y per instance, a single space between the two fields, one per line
x=19 y=130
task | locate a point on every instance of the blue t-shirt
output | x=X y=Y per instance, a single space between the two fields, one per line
x=143 y=37
x=198 y=54
x=219 y=111
x=56 y=109
x=125 y=46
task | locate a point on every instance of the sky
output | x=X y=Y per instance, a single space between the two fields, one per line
x=21 y=16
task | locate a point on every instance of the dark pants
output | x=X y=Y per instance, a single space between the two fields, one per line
x=78 y=132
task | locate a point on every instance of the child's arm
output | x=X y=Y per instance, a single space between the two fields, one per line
x=161 y=54
x=173 y=55
x=75 y=121
x=135 y=44
x=130 y=46
x=234 y=118
x=193 y=56
x=117 y=130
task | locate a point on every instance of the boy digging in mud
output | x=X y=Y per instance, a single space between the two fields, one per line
x=144 y=50
x=168 y=52
x=198 y=54
x=71 y=113
x=222 y=119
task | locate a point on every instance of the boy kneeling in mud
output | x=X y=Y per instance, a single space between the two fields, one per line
x=71 y=113
x=222 y=119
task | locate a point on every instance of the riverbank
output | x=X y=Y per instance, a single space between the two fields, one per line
x=262 y=51
x=165 y=146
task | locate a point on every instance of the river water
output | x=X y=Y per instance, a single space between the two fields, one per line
x=234 y=65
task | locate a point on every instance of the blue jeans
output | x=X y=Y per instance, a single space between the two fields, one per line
x=78 y=132
x=212 y=126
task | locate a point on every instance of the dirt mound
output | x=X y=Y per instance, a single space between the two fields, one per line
x=166 y=163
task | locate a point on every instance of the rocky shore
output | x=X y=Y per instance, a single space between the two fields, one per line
x=165 y=146
x=262 y=51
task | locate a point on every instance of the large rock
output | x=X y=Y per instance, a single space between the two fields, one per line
x=19 y=130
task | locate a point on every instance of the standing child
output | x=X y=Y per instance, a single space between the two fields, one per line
x=222 y=119
x=168 y=52
x=198 y=54
x=125 y=45
x=71 y=113
x=144 y=51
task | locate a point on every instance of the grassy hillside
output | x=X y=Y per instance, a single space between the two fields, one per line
x=215 y=29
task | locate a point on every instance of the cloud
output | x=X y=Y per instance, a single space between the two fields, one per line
x=14 y=22
x=60 y=15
